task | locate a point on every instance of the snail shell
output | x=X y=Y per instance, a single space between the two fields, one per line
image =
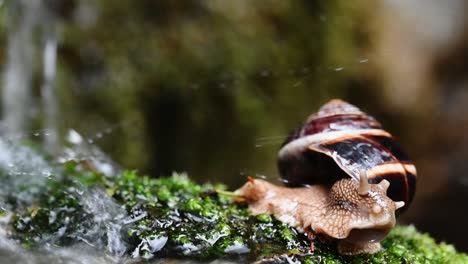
x=340 y=141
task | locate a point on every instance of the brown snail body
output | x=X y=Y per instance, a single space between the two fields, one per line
x=358 y=215
x=356 y=175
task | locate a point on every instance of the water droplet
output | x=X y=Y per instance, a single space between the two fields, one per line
x=157 y=243
x=265 y=73
x=284 y=181
x=298 y=83
x=237 y=248
x=46 y=174
x=74 y=137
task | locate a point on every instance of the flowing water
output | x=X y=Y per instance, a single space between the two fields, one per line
x=19 y=69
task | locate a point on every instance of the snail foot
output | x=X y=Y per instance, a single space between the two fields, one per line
x=347 y=248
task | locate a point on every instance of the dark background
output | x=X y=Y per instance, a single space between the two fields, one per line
x=212 y=87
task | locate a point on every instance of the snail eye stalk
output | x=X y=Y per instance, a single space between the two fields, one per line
x=364 y=185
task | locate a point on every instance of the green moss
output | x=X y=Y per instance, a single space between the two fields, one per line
x=197 y=222
x=264 y=218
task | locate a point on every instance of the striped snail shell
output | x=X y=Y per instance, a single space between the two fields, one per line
x=342 y=141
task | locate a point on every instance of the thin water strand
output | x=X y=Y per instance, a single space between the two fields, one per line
x=49 y=99
x=19 y=65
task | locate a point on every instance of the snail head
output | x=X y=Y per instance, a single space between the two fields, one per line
x=359 y=212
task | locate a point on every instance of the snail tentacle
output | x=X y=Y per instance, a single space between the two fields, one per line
x=364 y=185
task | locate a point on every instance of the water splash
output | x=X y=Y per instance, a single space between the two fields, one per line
x=108 y=220
x=77 y=148
x=25 y=174
x=22 y=167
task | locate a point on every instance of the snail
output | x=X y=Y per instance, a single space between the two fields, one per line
x=340 y=141
x=346 y=178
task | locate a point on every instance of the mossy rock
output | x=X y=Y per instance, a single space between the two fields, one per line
x=174 y=217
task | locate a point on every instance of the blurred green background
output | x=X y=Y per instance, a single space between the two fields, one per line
x=213 y=87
